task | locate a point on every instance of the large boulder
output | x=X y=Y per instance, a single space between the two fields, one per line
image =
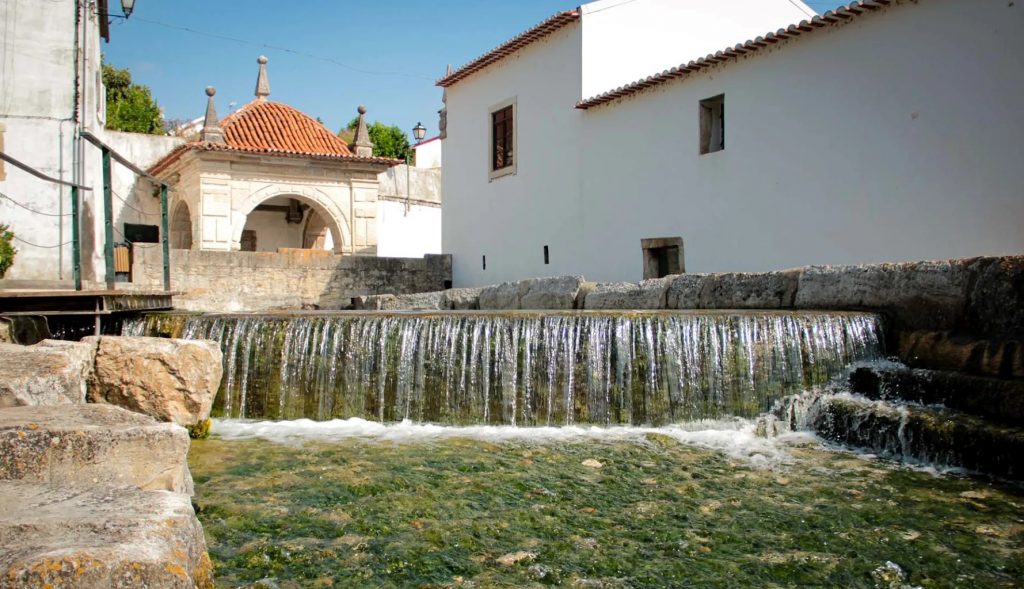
x=422 y=301
x=100 y=537
x=997 y=297
x=49 y=373
x=506 y=296
x=649 y=294
x=88 y=444
x=556 y=293
x=172 y=380
x=684 y=291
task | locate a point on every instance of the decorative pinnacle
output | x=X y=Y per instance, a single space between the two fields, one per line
x=361 y=143
x=211 y=128
x=262 y=82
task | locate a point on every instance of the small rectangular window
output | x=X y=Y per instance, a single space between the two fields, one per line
x=663 y=256
x=141 y=233
x=712 y=124
x=502 y=147
x=484 y=260
x=546 y=259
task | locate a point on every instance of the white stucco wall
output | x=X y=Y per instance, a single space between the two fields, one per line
x=408 y=231
x=624 y=40
x=894 y=138
x=428 y=153
x=510 y=218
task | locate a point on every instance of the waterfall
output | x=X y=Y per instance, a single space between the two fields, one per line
x=522 y=368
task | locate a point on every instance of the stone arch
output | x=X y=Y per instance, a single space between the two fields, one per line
x=180 y=229
x=334 y=218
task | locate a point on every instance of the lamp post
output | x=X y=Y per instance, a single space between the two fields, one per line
x=417 y=133
x=127 y=6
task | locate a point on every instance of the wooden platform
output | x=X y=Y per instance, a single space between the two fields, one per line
x=15 y=302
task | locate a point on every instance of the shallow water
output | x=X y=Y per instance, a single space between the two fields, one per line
x=358 y=504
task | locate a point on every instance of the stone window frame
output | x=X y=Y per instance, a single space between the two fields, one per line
x=651 y=247
x=510 y=169
x=712 y=124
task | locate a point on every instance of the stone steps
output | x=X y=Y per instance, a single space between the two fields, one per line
x=92 y=444
x=102 y=537
x=918 y=433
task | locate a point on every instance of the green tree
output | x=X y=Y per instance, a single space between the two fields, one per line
x=388 y=140
x=7 y=250
x=130 y=107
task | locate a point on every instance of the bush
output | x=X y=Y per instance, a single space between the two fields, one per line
x=7 y=250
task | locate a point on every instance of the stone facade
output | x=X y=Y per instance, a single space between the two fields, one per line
x=261 y=281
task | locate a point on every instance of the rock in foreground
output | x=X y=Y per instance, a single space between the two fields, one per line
x=102 y=537
x=48 y=373
x=170 y=379
x=92 y=444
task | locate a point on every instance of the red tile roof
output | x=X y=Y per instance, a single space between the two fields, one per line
x=536 y=33
x=841 y=15
x=275 y=129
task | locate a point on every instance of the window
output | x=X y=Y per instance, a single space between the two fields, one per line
x=712 y=124
x=547 y=259
x=663 y=256
x=503 y=139
x=141 y=233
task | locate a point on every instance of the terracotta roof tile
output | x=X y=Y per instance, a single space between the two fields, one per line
x=268 y=126
x=514 y=44
x=841 y=15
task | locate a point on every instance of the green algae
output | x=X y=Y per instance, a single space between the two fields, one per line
x=644 y=513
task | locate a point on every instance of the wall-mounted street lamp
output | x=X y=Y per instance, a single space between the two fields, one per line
x=127 y=6
x=419 y=131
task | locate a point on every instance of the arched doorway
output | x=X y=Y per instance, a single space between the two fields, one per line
x=181 y=227
x=288 y=221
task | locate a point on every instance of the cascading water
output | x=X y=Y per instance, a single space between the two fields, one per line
x=522 y=368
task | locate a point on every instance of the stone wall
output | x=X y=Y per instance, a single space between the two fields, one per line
x=259 y=281
x=980 y=296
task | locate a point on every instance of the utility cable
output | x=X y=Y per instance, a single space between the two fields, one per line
x=139 y=211
x=31 y=210
x=45 y=247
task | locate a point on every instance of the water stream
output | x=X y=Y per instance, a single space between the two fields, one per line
x=521 y=368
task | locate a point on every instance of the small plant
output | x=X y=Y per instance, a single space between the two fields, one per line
x=7 y=251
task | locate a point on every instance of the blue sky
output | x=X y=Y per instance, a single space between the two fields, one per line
x=326 y=56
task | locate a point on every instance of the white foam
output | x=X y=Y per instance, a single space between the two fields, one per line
x=734 y=438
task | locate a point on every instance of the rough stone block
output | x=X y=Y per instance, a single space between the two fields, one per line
x=648 y=294
x=463 y=299
x=172 y=380
x=424 y=301
x=996 y=306
x=919 y=295
x=101 y=537
x=89 y=444
x=506 y=296
x=557 y=293
x=49 y=373
x=384 y=302
x=762 y=290
x=684 y=291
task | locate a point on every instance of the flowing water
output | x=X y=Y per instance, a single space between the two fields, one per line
x=523 y=368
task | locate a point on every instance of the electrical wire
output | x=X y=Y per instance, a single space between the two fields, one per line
x=139 y=211
x=279 y=48
x=31 y=210
x=45 y=247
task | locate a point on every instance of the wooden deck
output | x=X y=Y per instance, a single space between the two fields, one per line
x=15 y=302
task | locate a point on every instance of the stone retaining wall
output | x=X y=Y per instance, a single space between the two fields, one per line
x=981 y=296
x=287 y=279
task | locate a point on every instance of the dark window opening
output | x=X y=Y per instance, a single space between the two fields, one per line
x=141 y=233
x=484 y=262
x=447 y=284
x=663 y=257
x=712 y=124
x=546 y=259
x=502 y=139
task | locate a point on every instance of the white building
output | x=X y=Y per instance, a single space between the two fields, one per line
x=889 y=130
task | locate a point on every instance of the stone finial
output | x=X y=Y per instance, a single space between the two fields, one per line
x=211 y=127
x=442 y=115
x=262 y=82
x=361 y=143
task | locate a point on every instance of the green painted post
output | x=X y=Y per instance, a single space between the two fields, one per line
x=76 y=245
x=108 y=221
x=164 y=238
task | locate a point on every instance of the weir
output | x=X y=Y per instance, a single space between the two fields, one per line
x=521 y=368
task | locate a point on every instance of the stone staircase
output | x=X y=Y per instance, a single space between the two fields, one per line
x=928 y=416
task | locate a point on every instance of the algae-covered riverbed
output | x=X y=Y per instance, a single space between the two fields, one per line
x=482 y=507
